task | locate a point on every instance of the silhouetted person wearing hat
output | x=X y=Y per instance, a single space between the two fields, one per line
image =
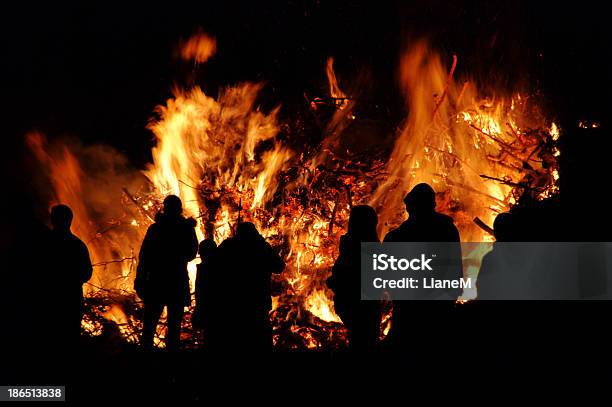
x=361 y=318
x=71 y=268
x=161 y=278
x=246 y=263
x=427 y=321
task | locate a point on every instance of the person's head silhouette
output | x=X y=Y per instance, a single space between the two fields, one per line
x=362 y=222
x=206 y=248
x=61 y=218
x=173 y=206
x=502 y=227
x=247 y=231
x=420 y=200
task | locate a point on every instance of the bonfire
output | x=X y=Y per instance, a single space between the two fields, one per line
x=230 y=161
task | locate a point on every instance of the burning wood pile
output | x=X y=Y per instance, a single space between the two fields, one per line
x=229 y=162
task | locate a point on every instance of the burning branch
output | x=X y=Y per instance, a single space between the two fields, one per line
x=510 y=183
x=349 y=196
x=483 y=226
x=449 y=80
x=105 y=263
x=468 y=188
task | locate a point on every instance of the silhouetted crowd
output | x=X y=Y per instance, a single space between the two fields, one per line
x=233 y=283
x=232 y=288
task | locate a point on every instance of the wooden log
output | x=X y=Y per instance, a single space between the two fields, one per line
x=483 y=226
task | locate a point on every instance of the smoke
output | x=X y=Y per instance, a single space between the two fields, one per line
x=93 y=181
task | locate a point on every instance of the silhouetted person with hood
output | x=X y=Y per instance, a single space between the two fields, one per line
x=161 y=277
x=361 y=318
x=424 y=224
x=205 y=286
x=71 y=268
x=246 y=262
x=425 y=321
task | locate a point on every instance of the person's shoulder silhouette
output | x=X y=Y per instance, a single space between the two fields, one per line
x=69 y=252
x=250 y=241
x=71 y=267
x=424 y=223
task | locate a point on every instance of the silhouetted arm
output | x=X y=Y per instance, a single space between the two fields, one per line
x=389 y=237
x=143 y=257
x=339 y=264
x=454 y=234
x=482 y=283
x=85 y=264
x=145 y=246
x=191 y=245
x=332 y=281
x=277 y=265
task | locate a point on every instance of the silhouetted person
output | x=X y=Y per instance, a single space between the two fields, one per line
x=499 y=277
x=246 y=263
x=71 y=268
x=424 y=224
x=205 y=285
x=424 y=322
x=360 y=317
x=162 y=279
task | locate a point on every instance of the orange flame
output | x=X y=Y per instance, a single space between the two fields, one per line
x=199 y=48
x=451 y=137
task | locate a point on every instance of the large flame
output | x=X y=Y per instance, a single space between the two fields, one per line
x=474 y=151
x=206 y=153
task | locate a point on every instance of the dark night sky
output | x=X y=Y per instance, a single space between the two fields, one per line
x=96 y=71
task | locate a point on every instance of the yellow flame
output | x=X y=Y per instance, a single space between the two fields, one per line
x=341 y=100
